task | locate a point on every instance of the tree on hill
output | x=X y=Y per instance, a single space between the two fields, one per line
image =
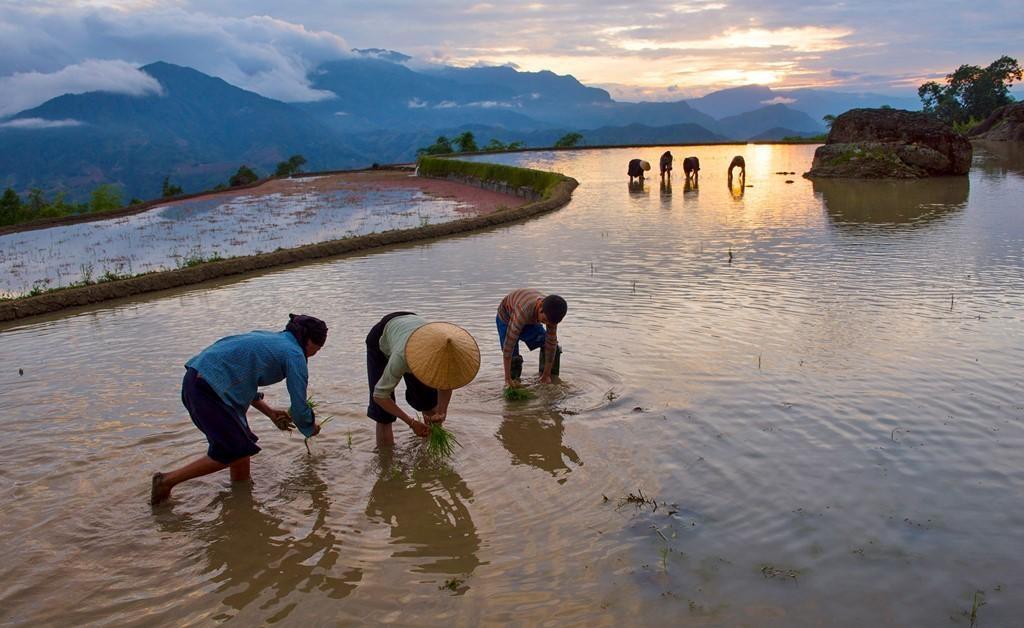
x=441 y=146
x=244 y=176
x=496 y=145
x=35 y=203
x=466 y=142
x=105 y=198
x=971 y=92
x=828 y=119
x=569 y=140
x=10 y=207
x=170 y=189
x=292 y=166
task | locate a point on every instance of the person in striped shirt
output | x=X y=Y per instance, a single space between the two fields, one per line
x=528 y=315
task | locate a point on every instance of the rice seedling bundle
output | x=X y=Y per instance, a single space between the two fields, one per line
x=440 y=442
x=517 y=394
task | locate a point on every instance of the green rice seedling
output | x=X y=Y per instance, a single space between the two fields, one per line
x=440 y=442
x=517 y=394
x=327 y=420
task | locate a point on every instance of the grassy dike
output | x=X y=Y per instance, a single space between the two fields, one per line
x=549 y=192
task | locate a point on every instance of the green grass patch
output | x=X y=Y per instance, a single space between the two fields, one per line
x=539 y=181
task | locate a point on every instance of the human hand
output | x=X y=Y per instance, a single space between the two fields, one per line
x=545 y=379
x=512 y=383
x=316 y=429
x=419 y=428
x=437 y=417
x=281 y=419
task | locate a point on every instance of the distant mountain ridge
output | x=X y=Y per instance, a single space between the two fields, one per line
x=200 y=129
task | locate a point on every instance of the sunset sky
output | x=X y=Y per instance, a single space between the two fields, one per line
x=638 y=51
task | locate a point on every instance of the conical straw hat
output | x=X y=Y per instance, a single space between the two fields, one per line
x=645 y=165
x=443 y=356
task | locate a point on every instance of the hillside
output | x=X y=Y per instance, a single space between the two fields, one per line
x=198 y=131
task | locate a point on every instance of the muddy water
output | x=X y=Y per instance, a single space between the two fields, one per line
x=830 y=424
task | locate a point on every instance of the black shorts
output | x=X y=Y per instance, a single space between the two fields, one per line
x=419 y=395
x=226 y=429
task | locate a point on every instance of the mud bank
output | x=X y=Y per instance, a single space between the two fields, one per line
x=151 y=282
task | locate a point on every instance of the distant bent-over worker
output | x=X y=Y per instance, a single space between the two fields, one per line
x=432 y=358
x=528 y=315
x=221 y=383
x=691 y=167
x=666 y=163
x=636 y=170
x=738 y=162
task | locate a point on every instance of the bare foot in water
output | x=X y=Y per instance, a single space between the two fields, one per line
x=160 y=490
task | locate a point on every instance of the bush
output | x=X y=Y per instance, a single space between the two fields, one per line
x=292 y=166
x=539 y=181
x=170 y=189
x=569 y=140
x=441 y=146
x=244 y=176
x=105 y=198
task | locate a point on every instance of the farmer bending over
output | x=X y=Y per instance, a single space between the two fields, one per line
x=523 y=315
x=432 y=358
x=636 y=169
x=221 y=383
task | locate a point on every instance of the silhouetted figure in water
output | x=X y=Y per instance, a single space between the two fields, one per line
x=691 y=167
x=636 y=170
x=738 y=162
x=666 y=164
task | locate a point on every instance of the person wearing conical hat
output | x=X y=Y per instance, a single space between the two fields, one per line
x=432 y=358
x=528 y=315
x=222 y=382
x=636 y=169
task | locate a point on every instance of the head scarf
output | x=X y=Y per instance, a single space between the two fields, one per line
x=307 y=328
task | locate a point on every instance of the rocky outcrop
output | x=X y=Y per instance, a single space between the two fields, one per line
x=890 y=144
x=1006 y=124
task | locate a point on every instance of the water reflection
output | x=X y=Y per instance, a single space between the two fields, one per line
x=999 y=158
x=891 y=202
x=666 y=186
x=535 y=438
x=253 y=555
x=426 y=509
x=636 y=188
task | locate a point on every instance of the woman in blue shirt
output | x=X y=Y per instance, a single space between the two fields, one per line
x=222 y=382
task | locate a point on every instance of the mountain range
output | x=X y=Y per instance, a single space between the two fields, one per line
x=200 y=128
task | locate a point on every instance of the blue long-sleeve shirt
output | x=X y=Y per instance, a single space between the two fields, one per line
x=236 y=366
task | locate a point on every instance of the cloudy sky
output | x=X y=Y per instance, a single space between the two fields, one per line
x=638 y=51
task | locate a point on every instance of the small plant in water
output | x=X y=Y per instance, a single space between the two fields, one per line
x=452 y=584
x=441 y=443
x=977 y=603
x=517 y=394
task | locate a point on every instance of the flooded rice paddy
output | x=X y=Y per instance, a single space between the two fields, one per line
x=825 y=429
x=283 y=213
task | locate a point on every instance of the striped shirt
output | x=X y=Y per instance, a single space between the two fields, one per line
x=518 y=309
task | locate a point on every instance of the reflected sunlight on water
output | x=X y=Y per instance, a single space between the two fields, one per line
x=817 y=382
